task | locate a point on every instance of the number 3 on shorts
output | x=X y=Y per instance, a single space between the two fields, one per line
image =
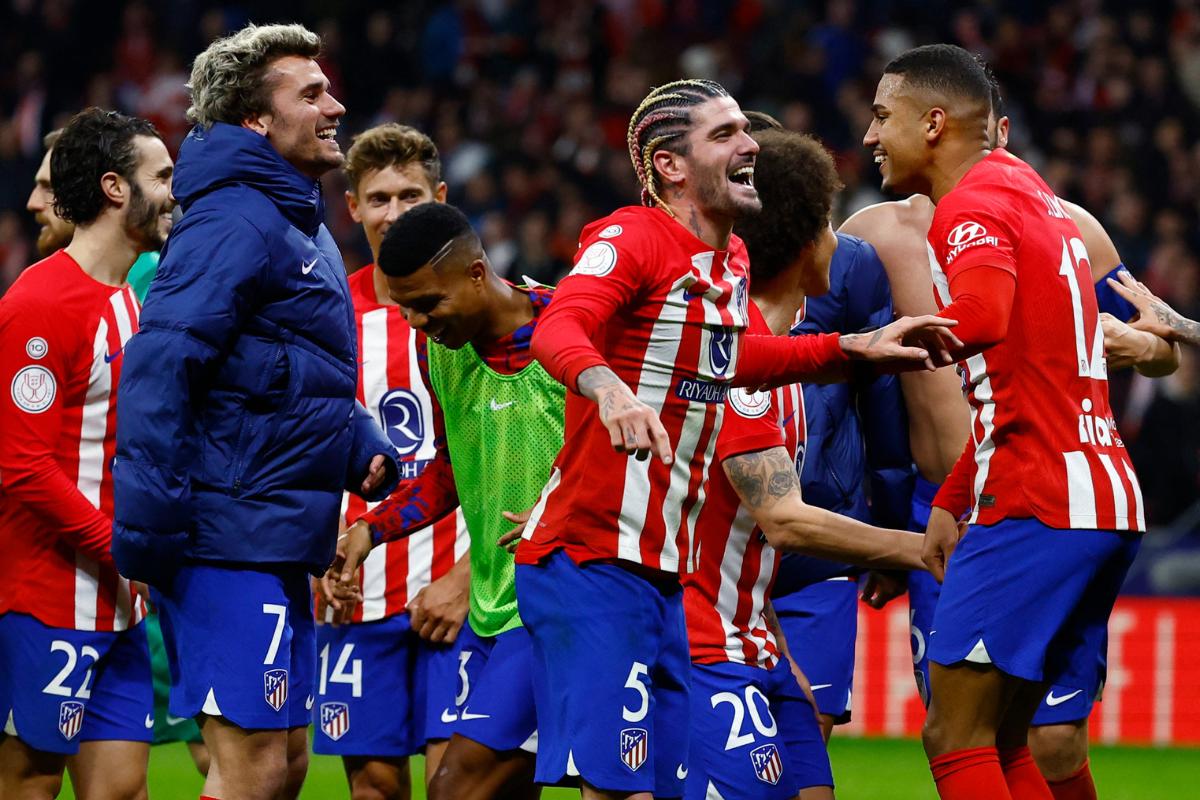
x=634 y=681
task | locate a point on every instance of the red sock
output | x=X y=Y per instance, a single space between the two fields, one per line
x=972 y=774
x=1025 y=781
x=208 y=797
x=1079 y=786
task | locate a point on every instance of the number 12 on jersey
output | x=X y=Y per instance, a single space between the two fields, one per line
x=1090 y=360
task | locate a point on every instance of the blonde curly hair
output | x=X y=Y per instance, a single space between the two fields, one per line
x=229 y=81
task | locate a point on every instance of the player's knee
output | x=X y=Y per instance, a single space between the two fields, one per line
x=381 y=781
x=1059 y=750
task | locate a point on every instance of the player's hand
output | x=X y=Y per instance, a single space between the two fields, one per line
x=353 y=547
x=512 y=538
x=438 y=611
x=1154 y=315
x=142 y=591
x=1124 y=345
x=335 y=602
x=633 y=427
x=881 y=588
x=376 y=475
x=942 y=535
x=924 y=341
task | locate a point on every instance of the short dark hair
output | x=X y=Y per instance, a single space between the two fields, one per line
x=945 y=69
x=997 y=99
x=796 y=179
x=392 y=144
x=94 y=142
x=419 y=234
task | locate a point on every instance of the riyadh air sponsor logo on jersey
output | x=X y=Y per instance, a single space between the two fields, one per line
x=750 y=405
x=598 y=260
x=768 y=766
x=36 y=347
x=335 y=720
x=967 y=234
x=635 y=745
x=70 y=719
x=701 y=391
x=720 y=350
x=1097 y=430
x=403 y=420
x=275 y=687
x=33 y=389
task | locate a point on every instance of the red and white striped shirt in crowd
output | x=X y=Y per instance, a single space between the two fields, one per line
x=725 y=597
x=62 y=334
x=667 y=313
x=1043 y=440
x=391 y=386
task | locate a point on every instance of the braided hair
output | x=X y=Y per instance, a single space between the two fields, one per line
x=664 y=117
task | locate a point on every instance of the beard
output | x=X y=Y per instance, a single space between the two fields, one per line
x=715 y=195
x=53 y=237
x=143 y=221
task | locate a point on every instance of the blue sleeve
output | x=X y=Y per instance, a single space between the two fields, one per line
x=369 y=441
x=208 y=283
x=880 y=401
x=1109 y=301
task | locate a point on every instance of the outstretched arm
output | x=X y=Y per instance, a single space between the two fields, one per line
x=1154 y=314
x=767 y=485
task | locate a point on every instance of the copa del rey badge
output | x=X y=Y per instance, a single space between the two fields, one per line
x=634 y=747
x=335 y=720
x=275 y=687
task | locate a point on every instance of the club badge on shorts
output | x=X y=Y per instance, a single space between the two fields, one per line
x=335 y=720
x=768 y=766
x=634 y=746
x=275 y=687
x=70 y=719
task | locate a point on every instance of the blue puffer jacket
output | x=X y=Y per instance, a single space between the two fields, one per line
x=856 y=430
x=238 y=428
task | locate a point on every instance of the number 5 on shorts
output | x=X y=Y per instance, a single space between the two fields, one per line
x=634 y=681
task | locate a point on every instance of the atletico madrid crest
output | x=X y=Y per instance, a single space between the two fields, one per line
x=768 y=766
x=335 y=720
x=70 y=719
x=275 y=688
x=634 y=746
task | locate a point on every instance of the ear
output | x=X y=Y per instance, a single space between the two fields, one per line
x=477 y=270
x=260 y=123
x=439 y=194
x=115 y=188
x=352 y=206
x=935 y=123
x=671 y=166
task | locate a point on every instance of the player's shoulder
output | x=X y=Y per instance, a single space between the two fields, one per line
x=361 y=283
x=44 y=286
x=626 y=226
x=891 y=224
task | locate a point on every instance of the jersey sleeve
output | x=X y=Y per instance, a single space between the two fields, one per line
x=422 y=501
x=610 y=271
x=954 y=495
x=751 y=423
x=31 y=418
x=974 y=227
x=768 y=360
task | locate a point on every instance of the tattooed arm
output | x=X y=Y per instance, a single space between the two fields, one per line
x=633 y=427
x=767 y=485
x=1154 y=315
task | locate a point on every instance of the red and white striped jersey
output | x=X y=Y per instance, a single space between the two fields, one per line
x=674 y=310
x=725 y=597
x=391 y=386
x=1045 y=441
x=61 y=338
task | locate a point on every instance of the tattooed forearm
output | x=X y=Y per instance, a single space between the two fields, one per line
x=762 y=478
x=1186 y=330
x=593 y=379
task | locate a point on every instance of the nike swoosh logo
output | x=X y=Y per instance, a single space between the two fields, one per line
x=308 y=703
x=307 y=268
x=501 y=406
x=1051 y=700
x=467 y=715
x=149 y=721
x=109 y=357
x=448 y=716
x=790 y=417
x=175 y=720
x=681 y=772
x=816 y=686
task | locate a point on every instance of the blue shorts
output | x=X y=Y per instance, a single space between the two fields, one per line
x=754 y=735
x=381 y=689
x=820 y=623
x=241 y=644
x=612 y=688
x=1034 y=601
x=494 y=703
x=61 y=687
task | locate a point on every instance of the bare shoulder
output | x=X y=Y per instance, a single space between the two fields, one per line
x=898 y=230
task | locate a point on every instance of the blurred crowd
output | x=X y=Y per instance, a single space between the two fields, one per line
x=529 y=101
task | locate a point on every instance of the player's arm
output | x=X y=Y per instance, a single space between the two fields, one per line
x=1154 y=314
x=950 y=504
x=766 y=483
x=30 y=429
x=372 y=470
x=608 y=275
x=207 y=286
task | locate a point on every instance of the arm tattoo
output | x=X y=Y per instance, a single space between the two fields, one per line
x=762 y=478
x=1188 y=330
x=594 y=378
